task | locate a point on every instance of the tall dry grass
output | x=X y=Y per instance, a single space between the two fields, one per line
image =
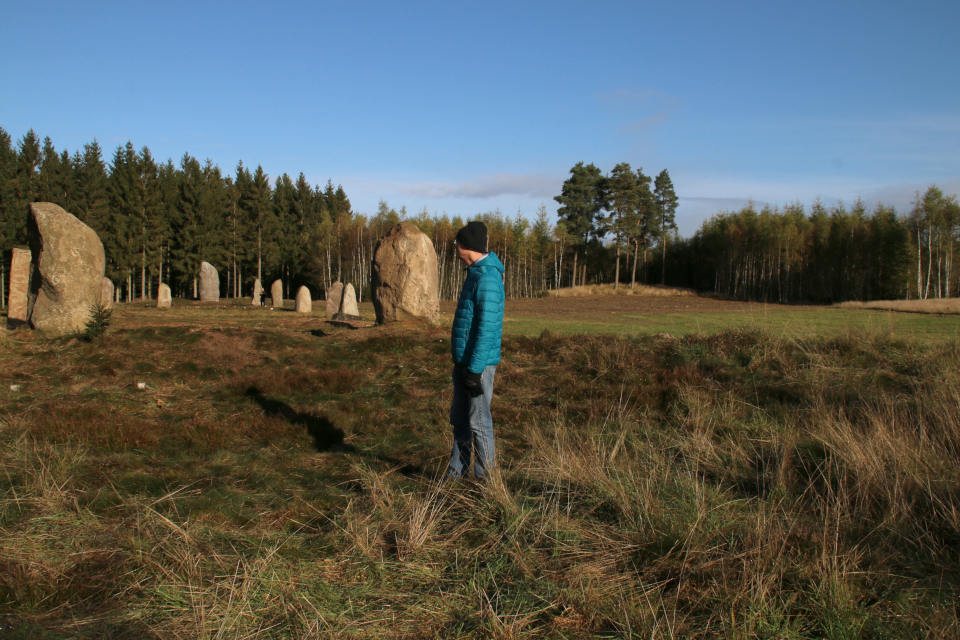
x=932 y=305
x=622 y=290
x=725 y=486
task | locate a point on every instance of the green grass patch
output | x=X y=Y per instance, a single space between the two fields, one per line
x=776 y=320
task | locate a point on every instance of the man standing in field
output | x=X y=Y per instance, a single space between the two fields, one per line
x=475 y=344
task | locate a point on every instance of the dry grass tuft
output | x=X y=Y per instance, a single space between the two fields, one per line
x=937 y=305
x=622 y=290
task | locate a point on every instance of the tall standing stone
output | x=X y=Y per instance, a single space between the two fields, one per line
x=19 y=288
x=276 y=294
x=304 y=303
x=405 y=282
x=257 y=293
x=106 y=293
x=67 y=270
x=164 y=299
x=348 y=306
x=209 y=283
x=334 y=296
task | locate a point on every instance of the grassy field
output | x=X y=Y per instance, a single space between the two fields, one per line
x=670 y=468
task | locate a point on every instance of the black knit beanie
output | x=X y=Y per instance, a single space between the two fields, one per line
x=473 y=236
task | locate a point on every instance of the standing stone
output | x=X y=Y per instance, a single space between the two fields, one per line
x=348 y=307
x=257 y=293
x=276 y=294
x=67 y=270
x=164 y=299
x=304 y=303
x=209 y=283
x=404 y=282
x=334 y=296
x=106 y=293
x=19 y=288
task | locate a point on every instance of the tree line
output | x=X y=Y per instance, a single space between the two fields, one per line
x=159 y=220
x=826 y=255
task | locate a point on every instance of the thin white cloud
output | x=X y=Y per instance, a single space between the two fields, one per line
x=536 y=185
x=640 y=109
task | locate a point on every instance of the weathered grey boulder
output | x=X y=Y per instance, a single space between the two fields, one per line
x=67 y=270
x=404 y=281
x=334 y=297
x=106 y=293
x=164 y=299
x=209 y=283
x=304 y=303
x=257 y=293
x=19 y=294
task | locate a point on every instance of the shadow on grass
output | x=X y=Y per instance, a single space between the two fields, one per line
x=326 y=436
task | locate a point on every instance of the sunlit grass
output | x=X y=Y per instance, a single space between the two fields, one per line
x=778 y=321
x=279 y=476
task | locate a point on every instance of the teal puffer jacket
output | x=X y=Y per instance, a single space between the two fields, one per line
x=478 y=322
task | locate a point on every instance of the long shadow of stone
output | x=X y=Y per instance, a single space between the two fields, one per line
x=326 y=436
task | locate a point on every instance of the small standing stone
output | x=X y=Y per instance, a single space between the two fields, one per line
x=106 y=293
x=19 y=288
x=348 y=308
x=276 y=294
x=304 y=303
x=164 y=299
x=257 y=293
x=334 y=296
x=209 y=283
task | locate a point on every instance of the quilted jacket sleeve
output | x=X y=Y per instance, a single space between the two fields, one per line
x=487 y=322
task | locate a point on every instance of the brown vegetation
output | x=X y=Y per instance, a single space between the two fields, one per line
x=933 y=305
x=734 y=485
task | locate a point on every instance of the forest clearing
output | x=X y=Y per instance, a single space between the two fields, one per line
x=671 y=466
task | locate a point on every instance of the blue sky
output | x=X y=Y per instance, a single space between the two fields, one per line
x=468 y=107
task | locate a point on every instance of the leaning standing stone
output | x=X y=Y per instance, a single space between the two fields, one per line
x=209 y=283
x=348 y=307
x=276 y=294
x=67 y=270
x=257 y=293
x=304 y=303
x=164 y=299
x=19 y=288
x=334 y=297
x=106 y=293
x=404 y=282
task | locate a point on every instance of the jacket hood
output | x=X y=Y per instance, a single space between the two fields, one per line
x=490 y=262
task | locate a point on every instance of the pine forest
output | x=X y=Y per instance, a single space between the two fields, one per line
x=159 y=220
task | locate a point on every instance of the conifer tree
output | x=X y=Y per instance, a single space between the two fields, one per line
x=624 y=194
x=647 y=226
x=124 y=218
x=28 y=165
x=581 y=200
x=255 y=202
x=12 y=220
x=56 y=176
x=666 y=202
x=90 y=182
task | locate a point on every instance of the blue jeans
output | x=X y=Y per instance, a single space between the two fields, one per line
x=472 y=426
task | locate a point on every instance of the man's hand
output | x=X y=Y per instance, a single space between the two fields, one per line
x=471 y=382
